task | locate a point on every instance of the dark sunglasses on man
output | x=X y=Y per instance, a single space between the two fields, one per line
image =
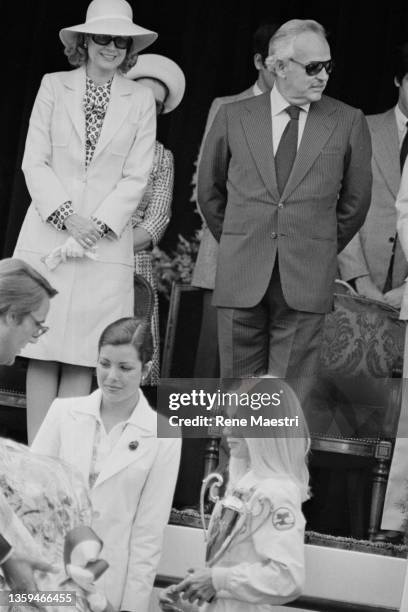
x=313 y=68
x=120 y=42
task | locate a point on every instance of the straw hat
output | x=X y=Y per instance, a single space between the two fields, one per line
x=112 y=17
x=152 y=66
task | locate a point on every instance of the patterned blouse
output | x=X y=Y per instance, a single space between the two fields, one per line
x=96 y=101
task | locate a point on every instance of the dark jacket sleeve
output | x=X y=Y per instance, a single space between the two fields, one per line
x=355 y=195
x=213 y=173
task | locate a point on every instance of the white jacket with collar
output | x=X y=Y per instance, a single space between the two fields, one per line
x=91 y=294
x=131 y=497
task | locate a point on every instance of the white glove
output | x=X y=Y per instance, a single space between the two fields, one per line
x=70 y=248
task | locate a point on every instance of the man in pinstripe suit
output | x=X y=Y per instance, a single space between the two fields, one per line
x=279 y=240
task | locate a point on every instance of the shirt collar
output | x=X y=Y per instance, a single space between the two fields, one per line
x=256 y=90
x=143 y=416
x=401 y=119
x=279 y=103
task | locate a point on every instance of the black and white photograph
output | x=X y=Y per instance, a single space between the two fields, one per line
x=203 y=306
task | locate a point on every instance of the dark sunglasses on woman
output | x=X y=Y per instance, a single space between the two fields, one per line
x=120 y=42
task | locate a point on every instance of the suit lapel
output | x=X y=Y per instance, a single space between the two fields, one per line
x=74 y=83
x=123 y=454
x=118 y=109
x=84 y=416
x=320 y=123
x=386 y=150
x=141 y=425
x=257 y=126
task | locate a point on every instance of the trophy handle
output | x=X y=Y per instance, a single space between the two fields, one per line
x=211 y=482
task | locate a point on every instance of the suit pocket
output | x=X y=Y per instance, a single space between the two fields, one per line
x=332 y=151
x=232 y=233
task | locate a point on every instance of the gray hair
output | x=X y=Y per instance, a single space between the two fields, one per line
x=281 y=44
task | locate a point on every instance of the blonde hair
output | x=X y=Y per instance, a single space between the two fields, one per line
x=282 y=457
x=77 y=55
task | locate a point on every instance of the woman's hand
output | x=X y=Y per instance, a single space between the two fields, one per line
x=83 y=230
x=169 y=601
x=19 y=571
x=197 y=586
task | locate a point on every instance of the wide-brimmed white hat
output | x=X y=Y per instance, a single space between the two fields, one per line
x=152 y=66
x=114 y=17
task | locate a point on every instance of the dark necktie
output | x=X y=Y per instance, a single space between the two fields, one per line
x=287 y=149
x=403 y=156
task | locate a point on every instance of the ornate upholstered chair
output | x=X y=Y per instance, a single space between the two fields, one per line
x=356 y=398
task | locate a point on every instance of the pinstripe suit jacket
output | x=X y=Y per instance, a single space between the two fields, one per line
x=323 y=205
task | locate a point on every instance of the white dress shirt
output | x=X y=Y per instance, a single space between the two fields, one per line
x=401 y=120
x=256 y=89
x=280 y=117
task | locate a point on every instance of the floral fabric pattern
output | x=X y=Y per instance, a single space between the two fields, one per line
x=96 y=102
x=47 y=499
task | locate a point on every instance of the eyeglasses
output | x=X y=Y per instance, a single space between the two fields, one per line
x=41 y=329
x=120 y=42
x=314 y=68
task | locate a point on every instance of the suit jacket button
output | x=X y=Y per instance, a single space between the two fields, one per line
x=391 y=239
x=274 y=235
x=280 y=205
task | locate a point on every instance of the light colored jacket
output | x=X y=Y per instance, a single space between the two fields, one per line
x=369 y=252
x=131 y=497
x=54 y=161
x=91 y=294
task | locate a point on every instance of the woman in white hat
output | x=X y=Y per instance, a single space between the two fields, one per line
x=166 y=80
x=87 y=159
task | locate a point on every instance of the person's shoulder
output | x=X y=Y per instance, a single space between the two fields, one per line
x=242 y=95
x=62 y=75
x=243 y=105
x=379 y=118
x=133 y=86
x=329 y=103
x=71 y=405
x=140 y=94
x=279 y=490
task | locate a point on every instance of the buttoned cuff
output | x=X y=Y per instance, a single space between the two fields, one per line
x=101 y=227
x=57 y=218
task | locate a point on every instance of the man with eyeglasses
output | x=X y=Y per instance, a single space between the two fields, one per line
x=284 y=184
x=24 y=303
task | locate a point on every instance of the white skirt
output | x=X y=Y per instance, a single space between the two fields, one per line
x=91 y=294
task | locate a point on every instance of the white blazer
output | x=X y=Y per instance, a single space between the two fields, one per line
x=131 y=497
x=91 y=294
